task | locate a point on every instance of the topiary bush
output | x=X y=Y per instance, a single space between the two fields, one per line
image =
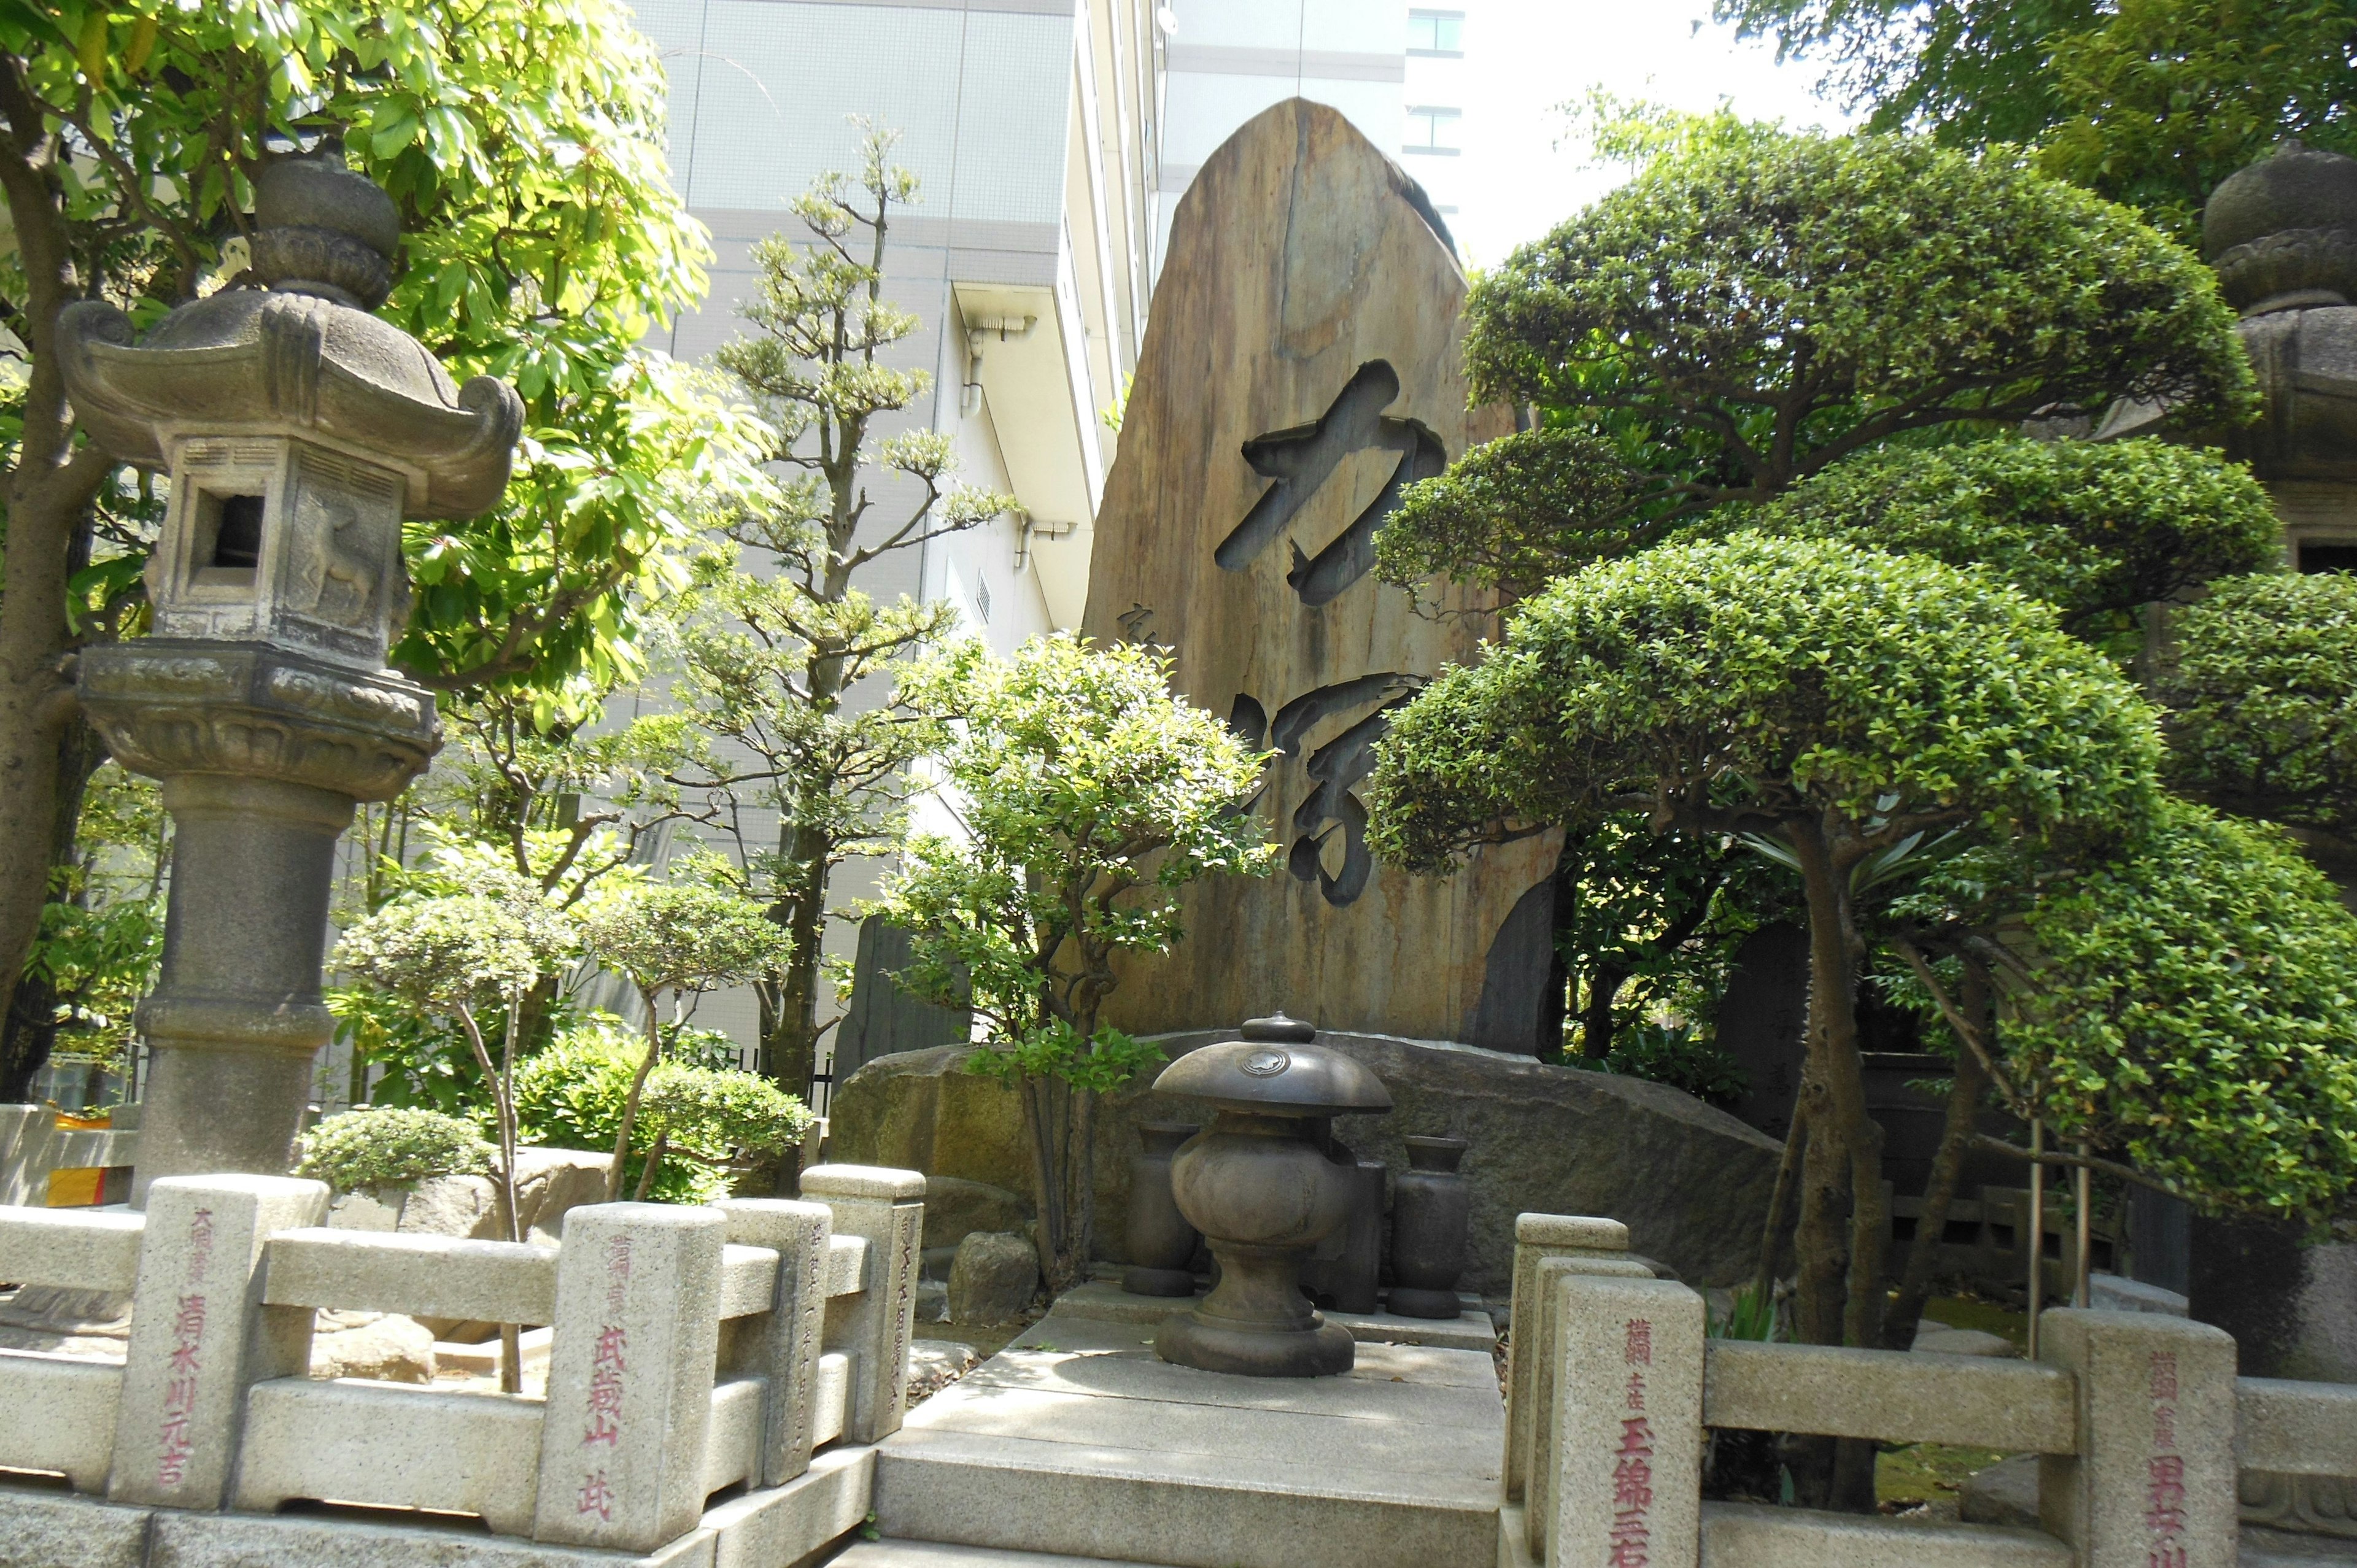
x=390 y=1146
x=712 y=1123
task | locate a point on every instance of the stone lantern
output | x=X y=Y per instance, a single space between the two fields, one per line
x=298 y=431
x=1265 y=1183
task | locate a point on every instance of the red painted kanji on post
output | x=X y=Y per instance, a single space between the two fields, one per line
x=1631 y=1542
x=606 y=1365
x=188 y=1340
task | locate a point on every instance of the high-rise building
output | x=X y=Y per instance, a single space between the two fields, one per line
x=1031 y=126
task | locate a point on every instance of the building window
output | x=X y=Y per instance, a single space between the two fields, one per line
x=1432 y=130
x=982 y=596
x=1437 y=33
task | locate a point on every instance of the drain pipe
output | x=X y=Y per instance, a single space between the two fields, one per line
x=979 y=331
x=1027 y=528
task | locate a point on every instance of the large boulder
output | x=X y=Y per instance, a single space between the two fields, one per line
x=1691 y=1183
x=549 y=1182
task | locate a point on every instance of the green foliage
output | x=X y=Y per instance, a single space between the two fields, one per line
x=470 y=951
x=1513 y=513
x=385 y=1147
x=681 y=937
x=1090 y=795
x=2166 y=98
x=2192 y=1001
x=712 y=1122
x=101 y=928
x=1097 y=1063
x=1756 y=305
x=1678 y=1056
x=1646 y=923
x=1718 y=685
x=2147 y=102
x=2095 y=531
x=2262 y=699
x=523 y=143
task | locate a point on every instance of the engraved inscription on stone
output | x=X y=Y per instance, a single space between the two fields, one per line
x=1301 y=460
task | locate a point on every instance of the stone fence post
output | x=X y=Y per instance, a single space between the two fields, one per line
x=2153 y=1483
x=1547 y=1247
x=785 y=1347
x=887 y=1208
x=630 y=1374
x=1626 y=1470
x=200 y=1335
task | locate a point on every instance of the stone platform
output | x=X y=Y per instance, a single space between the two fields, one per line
x=1076 y=1441
x=1469 y=1330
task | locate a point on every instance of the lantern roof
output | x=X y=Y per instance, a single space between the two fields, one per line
x=301 y=357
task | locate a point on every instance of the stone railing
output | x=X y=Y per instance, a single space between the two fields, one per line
x=694 y=1350
x=2138 y=1418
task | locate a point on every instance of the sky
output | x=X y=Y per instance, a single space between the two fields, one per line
x=1531 y=56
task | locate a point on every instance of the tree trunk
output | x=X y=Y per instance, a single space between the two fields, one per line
x=1595 y=1022
x=1947 y=1171
x=1841 y=1276
x=29 y=1030
x=791 y=1044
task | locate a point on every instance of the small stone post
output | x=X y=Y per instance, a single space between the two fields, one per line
x=630 y=1374
x=787 y=1349
x=886 y=1207
x=1626 y=1462
x=2154 y=1482
x=299 y=431
x=200 y=1335
x=1546 y=1248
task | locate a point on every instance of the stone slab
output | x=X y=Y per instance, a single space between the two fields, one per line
x=781 y=1525
x=1750 y=1535
x=2281 y=1549
x=44 y=1529
x=286 y=1541
x=1898 y=1396
x=58 y=1412
x=1468 y=1331
x=1096 y=1448
x=354 y=1442
x=936 y=1554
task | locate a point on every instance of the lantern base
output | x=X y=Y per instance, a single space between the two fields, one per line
x=1320 y=1349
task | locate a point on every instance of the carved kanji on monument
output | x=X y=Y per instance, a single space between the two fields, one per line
x=1301 y=369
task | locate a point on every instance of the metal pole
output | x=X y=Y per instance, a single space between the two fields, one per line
x=2036 y=1228
x=2079 y=1294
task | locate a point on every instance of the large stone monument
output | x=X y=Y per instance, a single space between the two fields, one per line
x=298 y=431
x=1301 y=367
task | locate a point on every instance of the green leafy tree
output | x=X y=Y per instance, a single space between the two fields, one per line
x=2098 y=531
x=1756 y=305
x=713 y=1124
x=1087 y=796
x=2261 y=690
x=2151 y=102
x=462 y=955
x=391 y=1146
x=1839 y=701
x=101 y=933
x=678 y=940
x=523 y=143
x=783 y=653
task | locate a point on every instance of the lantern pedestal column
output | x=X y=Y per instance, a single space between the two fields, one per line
x=263 y=755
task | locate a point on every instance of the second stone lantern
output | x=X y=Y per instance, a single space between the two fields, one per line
x=298 y=431
x=1265 y=1183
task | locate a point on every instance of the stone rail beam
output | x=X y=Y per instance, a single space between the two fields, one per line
x=1614 y=1383
x=694 y=1350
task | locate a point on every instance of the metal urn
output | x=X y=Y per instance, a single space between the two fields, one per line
x=1265 y=1185
x=298 y=431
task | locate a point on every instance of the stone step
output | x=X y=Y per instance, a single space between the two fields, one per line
x=1077 y=1442
x=940 y=1555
